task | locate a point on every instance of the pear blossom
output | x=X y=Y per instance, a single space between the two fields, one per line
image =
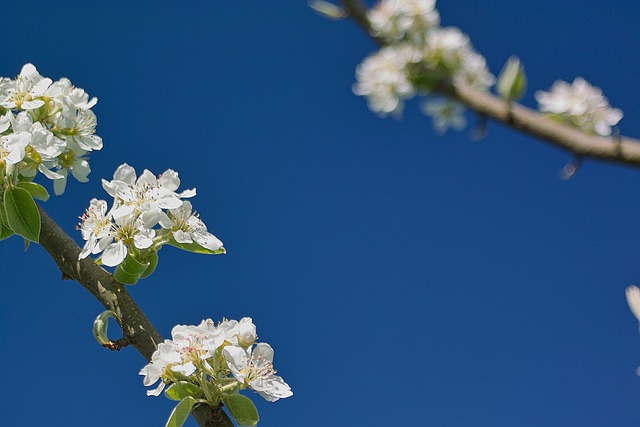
x=581 y=105
x=398 y=20
x=187 y=228
x=445 y=113
x=633 y=300
x=254 y=369
x=147 y=212
x=55 y=121
x=242 y=333
x=146 y=195
x=383 y=78
x=24 y=91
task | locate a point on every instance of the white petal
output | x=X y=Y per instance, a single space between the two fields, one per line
x=633 y=299
x=114 y=254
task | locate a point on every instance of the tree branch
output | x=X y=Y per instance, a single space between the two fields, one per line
x=136 y=327
x=623 y=150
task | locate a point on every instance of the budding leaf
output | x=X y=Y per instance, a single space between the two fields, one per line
x=241 y=409
x=22 y=213
x=130 y=270
x=512 y=82
x=101 y=325
x=181 y=412
x=36 y=190
x=182 y=390
x=152 y=259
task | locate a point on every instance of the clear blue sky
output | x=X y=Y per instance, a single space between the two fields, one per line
x=402 y=278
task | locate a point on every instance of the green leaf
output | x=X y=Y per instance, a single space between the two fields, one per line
x=181 y=390
x=152 y=258
x=36 y=190
x=195 y=248
x=241 y=409
x=3 y=215
x=181 y=412
x=130 y=270
x=5 y=232
x=512 y=81
x=22 y=213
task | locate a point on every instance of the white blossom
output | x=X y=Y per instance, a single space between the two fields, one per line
x=445 y=114
x=398 y=20
x=383 y=78
x=24 y=92
x=253 y=368
x=580 y=105
x=188 y=228
x=57 y=126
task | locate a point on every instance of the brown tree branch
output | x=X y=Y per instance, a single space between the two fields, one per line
x=623 y=150
x=136 y=327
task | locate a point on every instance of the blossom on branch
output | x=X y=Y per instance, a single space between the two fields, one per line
x=53 y=124
x=146 y=214
x=210 y=364
x=418 y=57
x=581 y=105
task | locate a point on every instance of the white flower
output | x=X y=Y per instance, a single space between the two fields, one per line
x=147 y=195
x=633 y=299
x=24 y=91
x=397 y=20
x=242 y=333
x=95 y=227
x=72 y=159
x=445 y=114
x=254 y=369
x=383 y=78
x=581 y=105
x=449 y=54
x=187 y=228
x=189 y=346
x=80 y=126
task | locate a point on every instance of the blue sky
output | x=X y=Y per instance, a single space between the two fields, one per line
x=402 y=278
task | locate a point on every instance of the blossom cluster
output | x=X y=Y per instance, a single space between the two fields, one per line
x=215 y=361
x=581 y=105
x=419 y=54
x=146 y=213
x=45 y=126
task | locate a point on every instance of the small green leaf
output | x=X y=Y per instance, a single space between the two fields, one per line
x=152 y=259
x=5 y=232
x=241 y=409
x=181 y=412
x=130 y=270
x=196 y=248
x=181 y=390
x=101 y=325
x=512 y=81
x=36 y=190
x=22 y=213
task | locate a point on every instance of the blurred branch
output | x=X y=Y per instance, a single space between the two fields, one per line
x=136 y=327
x=616 y=149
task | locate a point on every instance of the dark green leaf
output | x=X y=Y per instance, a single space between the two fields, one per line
x=180 y=390
x=5 y=232
x=241 y=409
x=36 y=190
x=181 y=412
x=22 y=214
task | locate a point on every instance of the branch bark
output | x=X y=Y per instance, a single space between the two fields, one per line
x=136 y=327
x=621 y=150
